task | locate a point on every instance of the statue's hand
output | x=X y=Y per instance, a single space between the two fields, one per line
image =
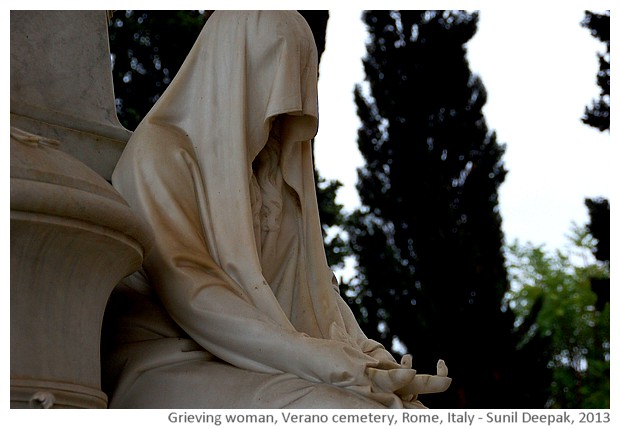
x=406 y=361
x=424 y=383
x=385 y=358
x=390 y=380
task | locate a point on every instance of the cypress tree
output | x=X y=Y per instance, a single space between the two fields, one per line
x=428 y=237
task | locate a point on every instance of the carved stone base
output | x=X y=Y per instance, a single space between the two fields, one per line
x=73 y=238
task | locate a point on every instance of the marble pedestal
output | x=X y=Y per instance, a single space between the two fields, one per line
x=72 y=239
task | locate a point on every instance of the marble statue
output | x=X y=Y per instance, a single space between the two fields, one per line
x=236 y=306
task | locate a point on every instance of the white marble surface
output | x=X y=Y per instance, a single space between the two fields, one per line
x=61 y=84
x=73 y=238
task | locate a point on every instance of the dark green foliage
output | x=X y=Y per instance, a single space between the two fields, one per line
x=597 y=115
x=428 y=239
x=336 y=248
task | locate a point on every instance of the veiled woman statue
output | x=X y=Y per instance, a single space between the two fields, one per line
x=236 y=306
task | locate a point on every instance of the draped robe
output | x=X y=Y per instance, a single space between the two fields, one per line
x=236 y=306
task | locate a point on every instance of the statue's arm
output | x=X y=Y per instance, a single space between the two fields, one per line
x=206 y=303
x=357 y=336
x=215 y=311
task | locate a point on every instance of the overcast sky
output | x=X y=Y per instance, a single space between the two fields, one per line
x=540 y=73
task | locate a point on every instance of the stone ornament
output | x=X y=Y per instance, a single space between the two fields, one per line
x=236 y=306
x=42 y=400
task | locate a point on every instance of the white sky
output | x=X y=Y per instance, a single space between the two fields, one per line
x=539 y=80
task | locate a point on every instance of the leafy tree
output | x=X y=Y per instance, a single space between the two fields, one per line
x=428 y=238
x=577 y=333
x=149 y=47
x=597 y=115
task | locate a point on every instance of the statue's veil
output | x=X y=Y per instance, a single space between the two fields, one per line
x=243 y=71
